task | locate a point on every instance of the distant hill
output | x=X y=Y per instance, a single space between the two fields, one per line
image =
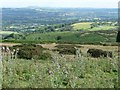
x=55 y=15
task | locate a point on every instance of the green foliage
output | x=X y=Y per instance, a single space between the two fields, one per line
x=13 y=36
x=68 y=51
x=31 y=51
x=59 y=38
x=74 y=37
x=59 y=72
x=44 y=56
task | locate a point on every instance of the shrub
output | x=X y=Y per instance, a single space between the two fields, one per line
x=45 y=56
x=68 y=51
x=98 y=52
x=29 y=51
x=59 y=38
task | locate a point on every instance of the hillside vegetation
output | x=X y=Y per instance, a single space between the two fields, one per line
x=67 y=71
x=59 y=48
x=74 y=37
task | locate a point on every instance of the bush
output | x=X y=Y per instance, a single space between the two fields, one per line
x=68 y=51
x=59 y=38
x=26 y=45
x=29 y=51
x=45 y=56
x=98 y=53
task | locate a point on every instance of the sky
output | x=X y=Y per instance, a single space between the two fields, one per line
x=60 y=3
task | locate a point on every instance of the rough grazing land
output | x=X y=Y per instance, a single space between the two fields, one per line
x=62 y=71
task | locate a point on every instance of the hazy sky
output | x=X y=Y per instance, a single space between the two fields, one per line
x=61 y=3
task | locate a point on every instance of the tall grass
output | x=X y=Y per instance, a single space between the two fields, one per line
x=59 y=72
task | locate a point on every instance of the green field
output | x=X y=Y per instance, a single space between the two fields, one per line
x=73 y=37
x=7 y=32
x=87 y=26
x=103 y=28
x=78 y=33
x=83 y=25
